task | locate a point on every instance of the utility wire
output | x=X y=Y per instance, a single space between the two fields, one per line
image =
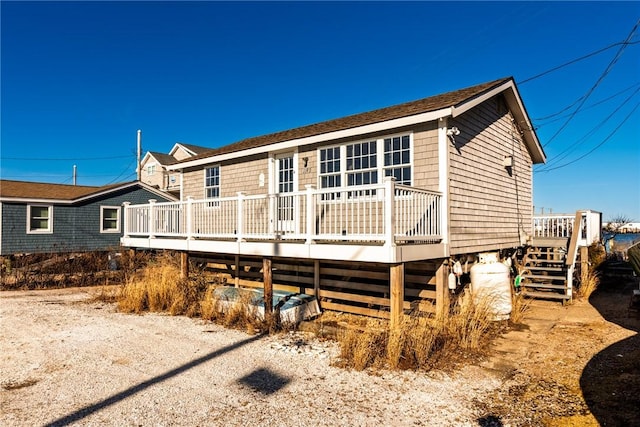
x=597 y=83
x=602 y=101
x=123 y=172
x=573 y=61
x=569 y=150
x=52 y=159
x=597 y=146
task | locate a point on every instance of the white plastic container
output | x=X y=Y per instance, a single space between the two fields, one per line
x=490 y=283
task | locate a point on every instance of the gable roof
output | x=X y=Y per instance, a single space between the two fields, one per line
x=448 y=104
x=162 y=158
x=25 y=191
x=195 y=149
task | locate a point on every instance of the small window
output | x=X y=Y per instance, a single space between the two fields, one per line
x=39 y=219
x=397 y=158
x=212 y=184
x=151 y=169
x=362 y=167
x=110 y=219
x=330 y=175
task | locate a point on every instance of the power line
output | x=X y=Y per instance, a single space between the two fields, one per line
x=599 y=145
x=597 y=83
x=567 y=151
x=602 y=101
x=54 y=159
x=573 y=61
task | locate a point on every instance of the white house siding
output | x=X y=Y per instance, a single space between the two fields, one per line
x=489 y=208
x=181 y=154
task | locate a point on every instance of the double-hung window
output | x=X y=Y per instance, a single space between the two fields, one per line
x=212 y=184
x=109 y=219
x=397 y=158
x=330 y=171
x=39 y=219
x=365 y=163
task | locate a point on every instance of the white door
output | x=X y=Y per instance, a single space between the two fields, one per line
x=284 y=185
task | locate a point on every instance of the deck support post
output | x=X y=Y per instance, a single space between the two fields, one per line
x=184 y=265
x=584 y=264
x=311 y=215
x=240 y=215
x=152 y=218
x=132 y=259
x=389 y=211
x=442 y=287
x=125 y=222
x=316 y=279
x=396 y=275
x=236 y=273
x=268 y=287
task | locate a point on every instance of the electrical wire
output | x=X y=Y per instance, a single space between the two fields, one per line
x=597 y=83
x=55 y=159
x=123 y=172
x=597 y=146
x=569 y=150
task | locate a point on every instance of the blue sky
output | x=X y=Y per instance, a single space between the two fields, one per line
x=79 y=79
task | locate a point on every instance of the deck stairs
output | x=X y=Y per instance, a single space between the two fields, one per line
x=543 y=271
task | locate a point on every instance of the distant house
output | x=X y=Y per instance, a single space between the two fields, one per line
x=154 y=166
x=38 y=217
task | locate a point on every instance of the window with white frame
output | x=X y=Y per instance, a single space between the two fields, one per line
x=330 y=171
x=109 y=219
x=364 y=163
x=40 y=219
x=151 y=169
x=212 y=184
x=397 y=158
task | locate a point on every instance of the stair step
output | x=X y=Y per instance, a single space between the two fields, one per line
x=532 y=268
x=548 y=295
x=548 y=261
x=543 y=286
x=542 y=277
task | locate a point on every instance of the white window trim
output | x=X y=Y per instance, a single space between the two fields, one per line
x=379 y=160
x=151 y=168
x=49 y=229
x=213 y=202
x=117 y=230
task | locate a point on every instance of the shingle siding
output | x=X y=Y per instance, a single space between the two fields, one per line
x=490 y=208
x=75 y=227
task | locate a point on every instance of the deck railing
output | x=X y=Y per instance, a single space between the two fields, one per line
x=562 y=226
x=385 y=213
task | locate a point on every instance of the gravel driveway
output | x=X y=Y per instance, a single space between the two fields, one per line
x=67 y=361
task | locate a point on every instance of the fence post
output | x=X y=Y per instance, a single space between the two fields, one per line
x=240 y=219
x=152 y=221
x=125 y=222
x=311 y=213
x=389 y=211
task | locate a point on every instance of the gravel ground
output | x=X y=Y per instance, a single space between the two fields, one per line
x=69 y=362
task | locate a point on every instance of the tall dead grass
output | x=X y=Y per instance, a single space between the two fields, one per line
x=420 y=342
x=588 y=284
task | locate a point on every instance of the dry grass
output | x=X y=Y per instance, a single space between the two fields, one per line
x=419 y=342
x=520 y=305
x=588 y=284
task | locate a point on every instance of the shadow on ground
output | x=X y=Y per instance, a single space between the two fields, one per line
x=610 y=381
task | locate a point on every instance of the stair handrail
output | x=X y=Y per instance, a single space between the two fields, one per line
x=572 y=252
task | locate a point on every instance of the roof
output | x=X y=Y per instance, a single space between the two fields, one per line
x=195 y=148
x=449 y=100
x=64 y=193
x=162 y=158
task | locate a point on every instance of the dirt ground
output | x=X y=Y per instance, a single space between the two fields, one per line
x=69 y=361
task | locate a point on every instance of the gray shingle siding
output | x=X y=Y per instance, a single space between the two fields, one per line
x=75 y=227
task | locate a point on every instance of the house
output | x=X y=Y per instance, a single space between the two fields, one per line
x=40 y=217
x=154 y=165
x=368 y=212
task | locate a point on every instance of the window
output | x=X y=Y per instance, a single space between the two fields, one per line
x=109 y=219
x=39 y=219
x=151 y=169
x=365 y=163
x=212 y=184
x=330 y=176
x=397 y=158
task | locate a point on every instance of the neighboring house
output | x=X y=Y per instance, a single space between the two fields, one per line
x=41 y=218
x=318 y=203
x=154 y=171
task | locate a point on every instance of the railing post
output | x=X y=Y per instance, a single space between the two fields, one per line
x=189 y=222
x=152 y=220
x=390 y=211
x=125 y=220
x=311 y=213
x=240 y=219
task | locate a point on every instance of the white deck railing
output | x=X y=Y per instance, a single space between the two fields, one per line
x=561 y=225
x=385 y=213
